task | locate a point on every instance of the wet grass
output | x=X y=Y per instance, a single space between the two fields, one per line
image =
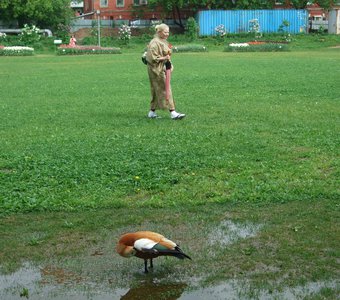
x=291 y=245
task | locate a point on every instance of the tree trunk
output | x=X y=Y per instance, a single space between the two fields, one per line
x=178 y=11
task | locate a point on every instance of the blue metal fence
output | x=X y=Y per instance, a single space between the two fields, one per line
x=236 y=21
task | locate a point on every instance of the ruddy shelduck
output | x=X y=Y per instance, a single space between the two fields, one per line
x=148 y=245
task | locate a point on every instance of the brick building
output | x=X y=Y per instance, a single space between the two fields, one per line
x=128 y=10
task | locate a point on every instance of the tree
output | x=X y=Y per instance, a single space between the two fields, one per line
x=299 y=4
x=172 y=6
x=236 y=4
x=175 y=6
x=325 y=3
x=42 y=13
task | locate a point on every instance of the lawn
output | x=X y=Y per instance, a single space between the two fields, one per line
x=81 y=163
x=260 y=127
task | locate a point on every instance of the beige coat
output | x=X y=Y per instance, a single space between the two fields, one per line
x=156 y=69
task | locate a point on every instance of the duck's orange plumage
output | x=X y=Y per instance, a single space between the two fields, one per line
x=148 y=245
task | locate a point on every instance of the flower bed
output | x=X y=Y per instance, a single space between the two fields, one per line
x=190 y=48
x=16 y=51
x=80 y=50
x=256 y=43
x=256 y=47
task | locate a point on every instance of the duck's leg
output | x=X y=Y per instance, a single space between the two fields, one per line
x=146 y=266
x=151 y=263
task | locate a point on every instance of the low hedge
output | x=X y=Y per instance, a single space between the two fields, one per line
x=16 y=51
x=189 y=48
x=81 y=50
x=256 y=47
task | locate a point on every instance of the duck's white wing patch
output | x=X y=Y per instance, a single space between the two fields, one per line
x=144 y=244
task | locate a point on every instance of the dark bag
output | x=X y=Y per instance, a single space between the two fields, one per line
x=145 y=62
x=168 y=65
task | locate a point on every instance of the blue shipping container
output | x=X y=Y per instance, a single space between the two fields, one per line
x=236 y=21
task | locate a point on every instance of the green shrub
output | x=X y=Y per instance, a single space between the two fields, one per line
x=124 y=33
x=16 y=51
x=265 y=47
x=30 y=35
x=191 y=29
x=80 y=50
x=190 y=48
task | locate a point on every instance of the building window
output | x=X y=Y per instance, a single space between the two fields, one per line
x=140 y=2
x=120 y=3
x=104 y=3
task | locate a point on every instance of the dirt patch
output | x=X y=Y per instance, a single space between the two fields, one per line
x=104 y=32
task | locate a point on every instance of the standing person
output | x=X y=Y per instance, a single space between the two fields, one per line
x=157 y=57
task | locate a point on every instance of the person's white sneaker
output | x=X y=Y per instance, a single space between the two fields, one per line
x=152 y=115
x=177 y=116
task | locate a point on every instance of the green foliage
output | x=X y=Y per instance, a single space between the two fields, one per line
x=150 y=33
x=24 y=293
x=326 y=4
x=237 y=4
x=254 y=28
x=43 y=13
x=191 y=29
x=124 y=33
x=30 y=35
x=105 y=41
x=63 y=32
x=299 y=4
x=3 y=37
x=167 y=5
x=221 y=33
x=94 y=28
x=284 y=26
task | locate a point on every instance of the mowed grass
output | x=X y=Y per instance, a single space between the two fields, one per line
x=80 y=163
x=259 y=127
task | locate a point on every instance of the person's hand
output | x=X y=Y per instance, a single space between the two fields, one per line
x=167 y=57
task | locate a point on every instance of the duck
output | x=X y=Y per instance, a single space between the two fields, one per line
x=148 y=245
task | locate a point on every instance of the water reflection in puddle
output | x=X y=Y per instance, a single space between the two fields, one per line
x=34 y=280
x=50 y=283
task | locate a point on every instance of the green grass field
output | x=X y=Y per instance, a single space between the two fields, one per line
x=260 y=127
x=81 y=163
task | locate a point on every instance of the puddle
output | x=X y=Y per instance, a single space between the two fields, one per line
x=301 y=292
x=100 y=277
x=241 y=290
x=37 y=282
x=229 y=232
